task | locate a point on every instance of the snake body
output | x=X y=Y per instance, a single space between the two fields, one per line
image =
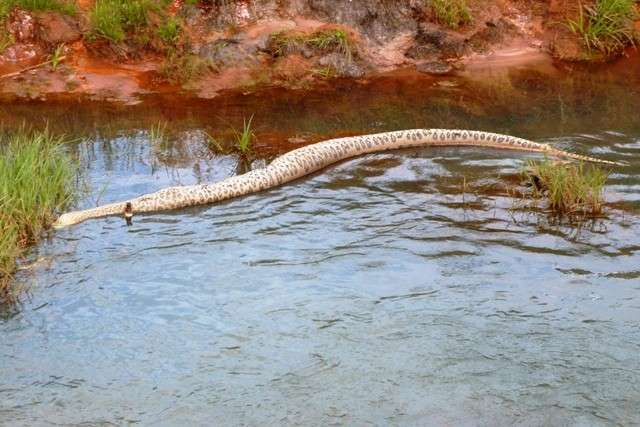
x=306 y=160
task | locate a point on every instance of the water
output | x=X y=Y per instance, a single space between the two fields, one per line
x=376 y=292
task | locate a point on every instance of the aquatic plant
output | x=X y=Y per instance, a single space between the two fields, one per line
x=245 y=138
x=36 y=181
x=606 y=26
x=158 y=133
x=575 y=189
x=452 y=13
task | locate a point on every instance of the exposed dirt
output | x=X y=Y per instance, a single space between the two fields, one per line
x=230 y=41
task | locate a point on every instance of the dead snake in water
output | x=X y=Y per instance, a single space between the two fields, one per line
x=305 y=160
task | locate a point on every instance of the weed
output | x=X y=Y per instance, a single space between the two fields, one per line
x=67 y=7
x=158 y=133
x=327 y=72
x=338 y=40
x=6 y=39
x=452 y=13
x=182 y=69
x=607 y=26
x=56 y=56
x=245 y=138
x=112 y=19
x=170 y=31
x=36 y=181
x=575 y=190
x=334 y=40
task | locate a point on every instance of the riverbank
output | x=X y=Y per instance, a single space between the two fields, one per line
x=202 y=49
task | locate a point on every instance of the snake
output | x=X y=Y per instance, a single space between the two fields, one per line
x=303 y=161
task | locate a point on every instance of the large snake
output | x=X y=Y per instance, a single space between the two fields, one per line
x=306 y=160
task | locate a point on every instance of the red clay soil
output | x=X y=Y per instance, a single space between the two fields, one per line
x=233 y=41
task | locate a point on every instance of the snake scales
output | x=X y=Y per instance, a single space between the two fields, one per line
x=306 y=160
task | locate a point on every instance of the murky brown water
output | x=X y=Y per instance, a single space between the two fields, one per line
x=375 y=292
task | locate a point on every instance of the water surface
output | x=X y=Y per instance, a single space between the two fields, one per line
x=398 y=288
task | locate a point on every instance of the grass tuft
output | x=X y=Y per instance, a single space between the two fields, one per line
x=452 y=13
x=244 y=139
x=67 y=7
x=607 y=26
x=180 y=68
x=574 y=190
x=56 y=56
x=113 y=19
x=36 y=181
x=337 y=40
x=158 y=133
x=169 y=32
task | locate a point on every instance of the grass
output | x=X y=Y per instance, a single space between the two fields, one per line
x=338 y=40
x=606 y=26
x=158 y=133
x=36 y=182
x=6 y=39
x=169 y=32
x=56 y=56
x=113 y=19
x=180 y=68
x=574 y=190
x=67 y=7
x=452 y=13
x=244 y=139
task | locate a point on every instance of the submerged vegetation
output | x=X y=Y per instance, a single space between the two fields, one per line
x=452 y=13
x=606 y=26
x=36 y=181
x=574 y=190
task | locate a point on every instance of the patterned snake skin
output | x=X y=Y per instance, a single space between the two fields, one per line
x=306 y=160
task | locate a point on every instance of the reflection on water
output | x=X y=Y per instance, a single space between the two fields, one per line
x=373 y=292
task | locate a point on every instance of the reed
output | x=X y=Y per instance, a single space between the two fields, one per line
x=36 y=182
x=574 y=190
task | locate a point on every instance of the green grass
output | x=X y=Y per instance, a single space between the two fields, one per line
x=606 y=26
x=575 y=190
x=244 y=139
x=338 y=40
x=56 y=56
x=113 y=19
x=67 y=7
x=452 y=13
x=36 y=182
x=6 y=39
x=169 y=32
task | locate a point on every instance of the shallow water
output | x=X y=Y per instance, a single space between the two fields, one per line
x=376 y=292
